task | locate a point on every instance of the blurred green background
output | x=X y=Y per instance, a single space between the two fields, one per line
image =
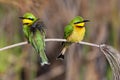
x=81 y=62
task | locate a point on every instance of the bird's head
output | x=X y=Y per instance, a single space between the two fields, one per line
x=28 y=19
x=79 y=22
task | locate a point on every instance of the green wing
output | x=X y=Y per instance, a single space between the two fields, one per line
x=36 y=36
x=37 y=41
x=67 y=31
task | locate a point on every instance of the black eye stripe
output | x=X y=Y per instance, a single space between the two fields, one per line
x=82 y=21
x=77 y=22
x=26 y=18
x=30 y=19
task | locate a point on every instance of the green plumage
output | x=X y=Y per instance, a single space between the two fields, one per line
x=67 y=31
x=35 y=35
x=73 y=32
x=69 y=28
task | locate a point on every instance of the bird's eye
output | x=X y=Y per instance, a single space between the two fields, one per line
x=77 y=22
x=31 y=19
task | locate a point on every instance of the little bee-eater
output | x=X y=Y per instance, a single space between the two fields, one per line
x=33 y=29
x=74 y=32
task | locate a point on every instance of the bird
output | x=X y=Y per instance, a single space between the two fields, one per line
x=33 y=29
x=73 y=33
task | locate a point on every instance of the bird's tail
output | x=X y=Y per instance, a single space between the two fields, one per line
x=43 y=58
x=65 y=46
x=61 y=55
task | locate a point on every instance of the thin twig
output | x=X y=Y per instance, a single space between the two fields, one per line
x=58 y=40
x=14 y=45
x=90 y=44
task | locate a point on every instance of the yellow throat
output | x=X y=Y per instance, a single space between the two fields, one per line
x=78 y=33
x=27 y=21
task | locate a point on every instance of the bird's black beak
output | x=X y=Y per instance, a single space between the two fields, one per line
x=21 y=18
x=86 y=21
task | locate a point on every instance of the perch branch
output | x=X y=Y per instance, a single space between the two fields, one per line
x=57 y=40
x=14 y=45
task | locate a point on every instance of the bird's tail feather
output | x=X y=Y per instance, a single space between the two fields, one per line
x=65 y=46
x=61 y=55
x=44 y=59
x=45 y=63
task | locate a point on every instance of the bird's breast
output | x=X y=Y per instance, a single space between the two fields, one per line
x=77 y=34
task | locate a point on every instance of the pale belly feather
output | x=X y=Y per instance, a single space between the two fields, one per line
x=77 y=35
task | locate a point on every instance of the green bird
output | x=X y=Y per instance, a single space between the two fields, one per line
x=33 y=29
x=74 y=32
